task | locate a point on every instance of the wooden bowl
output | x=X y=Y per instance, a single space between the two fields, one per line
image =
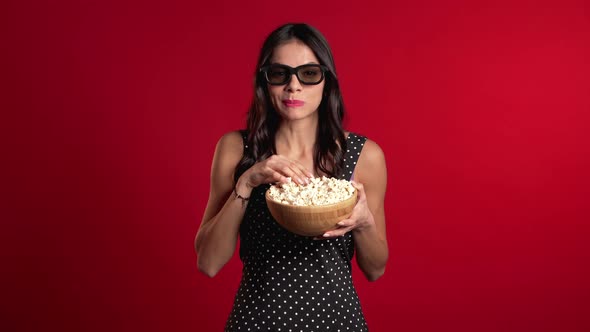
x=310 y=220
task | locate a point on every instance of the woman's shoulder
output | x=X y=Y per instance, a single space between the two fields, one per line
x=371 y=151
x=371 y=163
x=369 y=145
x=233 y=136
x=231 y=143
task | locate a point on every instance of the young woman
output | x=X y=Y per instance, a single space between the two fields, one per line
x=294 y=130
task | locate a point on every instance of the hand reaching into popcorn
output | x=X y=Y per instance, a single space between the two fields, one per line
x=276 y=168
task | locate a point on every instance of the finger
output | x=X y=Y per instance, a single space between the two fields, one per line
x=277 y=177
x=296 y=173
x=336 y=233
x=289 y=168
x=305 y=173
x=276 y=171
x=302 y=174
x=346 y=223
x=361 y=190
x=357 y=185
x=285 y=167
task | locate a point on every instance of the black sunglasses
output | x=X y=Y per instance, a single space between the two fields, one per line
x=278 y=74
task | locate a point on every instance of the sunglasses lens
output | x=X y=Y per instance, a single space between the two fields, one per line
x=310 y=74
x=277 y=75
x=281 y=74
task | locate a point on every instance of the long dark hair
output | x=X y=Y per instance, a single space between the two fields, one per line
x=263 y=120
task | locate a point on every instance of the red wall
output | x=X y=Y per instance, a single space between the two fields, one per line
x=110 y=114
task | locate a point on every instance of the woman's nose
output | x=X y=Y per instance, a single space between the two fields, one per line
x=293 y=84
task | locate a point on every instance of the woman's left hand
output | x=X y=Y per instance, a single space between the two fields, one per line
x=360 y=218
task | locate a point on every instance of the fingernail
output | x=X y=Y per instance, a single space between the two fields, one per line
x=326 y=235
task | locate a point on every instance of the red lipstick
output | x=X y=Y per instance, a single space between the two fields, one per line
x=293 y=103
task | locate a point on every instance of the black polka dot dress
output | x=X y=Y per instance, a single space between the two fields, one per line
x=291 y=282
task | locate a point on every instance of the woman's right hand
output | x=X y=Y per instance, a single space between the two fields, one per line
x=276 y=168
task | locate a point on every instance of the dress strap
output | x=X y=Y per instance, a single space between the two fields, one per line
x=354 y=146
x=244 y=134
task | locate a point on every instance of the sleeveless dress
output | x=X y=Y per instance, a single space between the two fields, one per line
x=291 y=282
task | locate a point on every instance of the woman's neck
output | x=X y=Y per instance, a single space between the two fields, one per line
x=296 y=138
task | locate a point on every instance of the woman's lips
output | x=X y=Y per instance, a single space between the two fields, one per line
x=293 y=103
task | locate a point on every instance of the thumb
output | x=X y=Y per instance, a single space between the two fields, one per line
x=360 y=188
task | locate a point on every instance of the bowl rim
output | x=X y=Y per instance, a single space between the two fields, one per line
x=267 y=193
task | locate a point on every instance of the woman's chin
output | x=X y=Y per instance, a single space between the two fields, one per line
x=296 y=113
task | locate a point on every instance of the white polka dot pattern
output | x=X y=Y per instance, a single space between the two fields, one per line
x=294 y=283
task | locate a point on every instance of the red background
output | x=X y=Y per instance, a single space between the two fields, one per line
x=111 y=110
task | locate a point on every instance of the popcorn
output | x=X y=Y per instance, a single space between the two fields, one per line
x=320 y=191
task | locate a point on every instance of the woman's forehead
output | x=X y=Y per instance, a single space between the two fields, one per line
x=293 y=53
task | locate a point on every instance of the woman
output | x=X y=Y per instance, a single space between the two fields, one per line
x=294 y=130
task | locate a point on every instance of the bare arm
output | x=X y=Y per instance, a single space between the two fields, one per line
x=367 y=221
x=217 y=236
x=371 y=241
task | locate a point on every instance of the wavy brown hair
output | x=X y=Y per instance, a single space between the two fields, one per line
x=263 y=120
